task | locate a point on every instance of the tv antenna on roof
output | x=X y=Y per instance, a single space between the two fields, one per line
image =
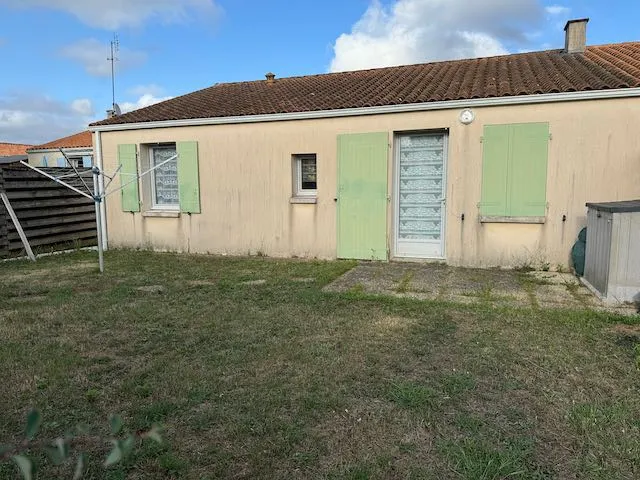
x=115 y=47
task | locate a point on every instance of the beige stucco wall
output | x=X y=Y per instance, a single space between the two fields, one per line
x=37 y=158
x=245 y=175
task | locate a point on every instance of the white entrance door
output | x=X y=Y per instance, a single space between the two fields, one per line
x=420 y=195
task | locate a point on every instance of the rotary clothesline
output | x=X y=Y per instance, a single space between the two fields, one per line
x=96 y=195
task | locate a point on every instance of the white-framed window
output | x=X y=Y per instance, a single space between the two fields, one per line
x=77 y=162
x=164 y=179
x=305 y=175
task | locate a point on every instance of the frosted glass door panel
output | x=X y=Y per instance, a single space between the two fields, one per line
x=420 y=192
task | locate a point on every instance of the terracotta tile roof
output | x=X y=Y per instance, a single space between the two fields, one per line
x=77 y=140
x=8 y=149
x=552 y=71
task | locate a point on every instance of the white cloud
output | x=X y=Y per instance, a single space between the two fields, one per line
x=116 y=14
x=93 y=54
x=144 y=101
x=152 y=88
x=483 y=44
x=557 y=10
x=27 y=117
x=82 y=106
x=411 y=31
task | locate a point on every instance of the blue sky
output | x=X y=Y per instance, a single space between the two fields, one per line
x=55 y=75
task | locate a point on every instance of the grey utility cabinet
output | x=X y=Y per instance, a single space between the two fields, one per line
x=612 y=263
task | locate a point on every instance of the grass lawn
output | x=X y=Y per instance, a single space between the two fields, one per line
x=279 y=379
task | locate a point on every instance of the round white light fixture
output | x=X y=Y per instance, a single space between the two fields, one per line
x=467 y=116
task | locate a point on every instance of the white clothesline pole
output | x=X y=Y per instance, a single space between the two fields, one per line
x=111 y=178
x=89 y=172
x=75 y=170
x=16 y=223
x=96 y=200
x=55 y=179
x=138 y=176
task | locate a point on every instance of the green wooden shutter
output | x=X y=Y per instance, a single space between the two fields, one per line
x=188 y=178
x=495 y=161
x=527 y=195
x=128 y=172
x=362 y=195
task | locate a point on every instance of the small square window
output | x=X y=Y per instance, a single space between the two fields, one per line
x=77 y=162
x=164 y=179
x=305 y=175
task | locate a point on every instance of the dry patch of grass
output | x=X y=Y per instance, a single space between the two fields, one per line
x=77 y=268
x=624 y=329
x=390 y=324
x=285 y=380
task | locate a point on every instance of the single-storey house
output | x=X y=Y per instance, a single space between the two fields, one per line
x=12 y=153
x=77 y=147
x=478 y=162
x=11 y=149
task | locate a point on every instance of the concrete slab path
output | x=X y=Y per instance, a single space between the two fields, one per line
x=433 y=281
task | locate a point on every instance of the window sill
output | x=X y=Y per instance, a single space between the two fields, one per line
x=161 y=213
x=303 y=200
x=496 y=219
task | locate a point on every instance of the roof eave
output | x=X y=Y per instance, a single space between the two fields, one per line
x=379 y=110
x=57 y=149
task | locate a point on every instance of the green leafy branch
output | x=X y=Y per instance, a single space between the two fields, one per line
x=59 y=450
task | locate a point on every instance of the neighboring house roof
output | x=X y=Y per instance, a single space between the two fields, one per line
x=603 y=67
x=7 y=149
x=78 y=140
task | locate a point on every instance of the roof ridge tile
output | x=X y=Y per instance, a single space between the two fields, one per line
x=77 y=140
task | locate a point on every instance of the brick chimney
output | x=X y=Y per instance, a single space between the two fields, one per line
x=270 y=77
x=575 y=40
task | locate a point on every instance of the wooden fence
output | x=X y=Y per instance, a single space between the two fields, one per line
x=53 y=217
